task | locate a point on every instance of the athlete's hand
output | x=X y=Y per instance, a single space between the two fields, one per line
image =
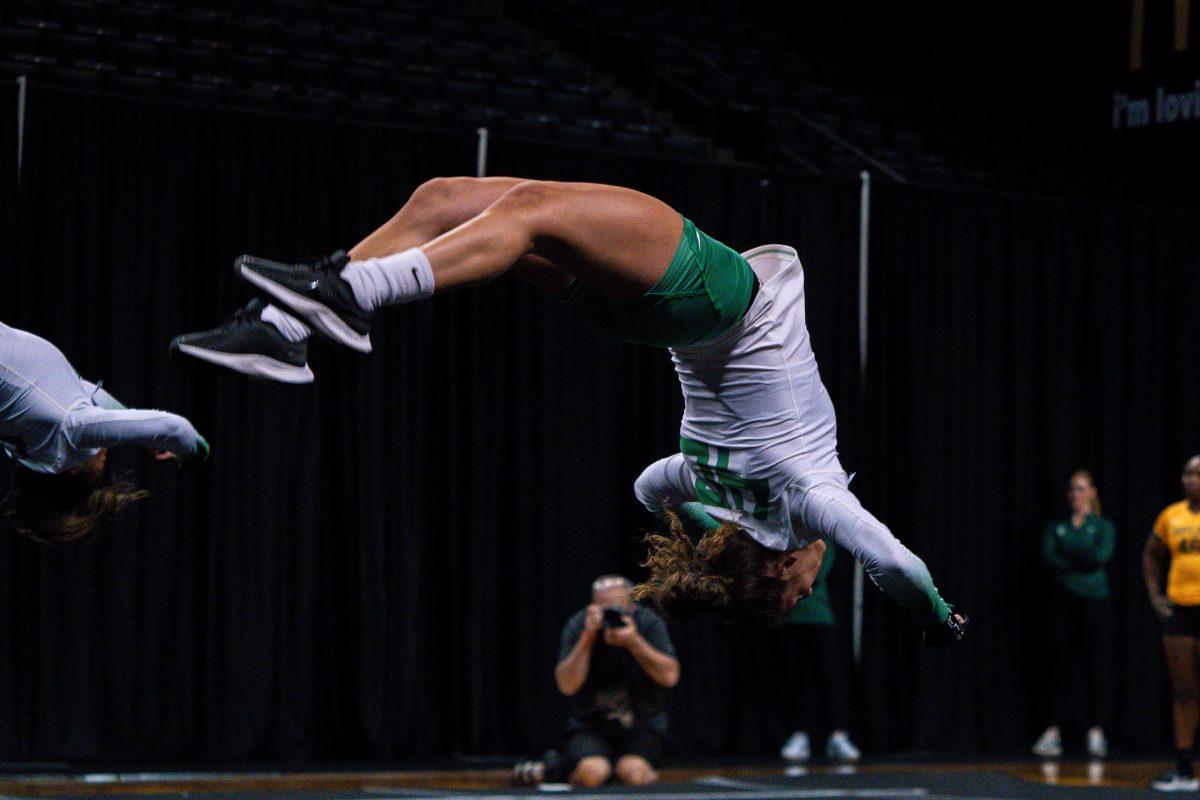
x=1161 y=605
x=953 y=628
x=198 y=456
x=165 y=455
x=624 y=636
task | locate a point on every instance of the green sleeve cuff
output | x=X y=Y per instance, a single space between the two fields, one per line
x=941 y=609
x=696 y=518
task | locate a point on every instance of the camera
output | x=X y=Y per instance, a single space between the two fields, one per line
x=613 y=617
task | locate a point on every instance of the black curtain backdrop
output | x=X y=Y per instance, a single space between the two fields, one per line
x=1014 y=340
x=378 y=566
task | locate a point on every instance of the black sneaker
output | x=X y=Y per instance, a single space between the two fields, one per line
x=246 y=344
x=314 y=292
x=1175 y=781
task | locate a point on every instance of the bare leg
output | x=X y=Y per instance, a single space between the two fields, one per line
x=435 y=207
x=591 y=771
x=1183 y=666
x=442 y=204
x=635 y=771
x=617 y=240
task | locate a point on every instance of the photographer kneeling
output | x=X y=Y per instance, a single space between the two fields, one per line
x=616 y=663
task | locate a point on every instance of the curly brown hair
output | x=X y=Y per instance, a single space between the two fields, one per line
x=64 y=508
x=723 y=575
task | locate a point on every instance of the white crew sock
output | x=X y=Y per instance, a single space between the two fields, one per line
x=390 y=280
x=291 y=328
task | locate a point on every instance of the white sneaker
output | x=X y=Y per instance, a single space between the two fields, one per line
x=1173 y=781
x=1096 y=743
x=796 y=748
x=839 y=747
x=1049 y=744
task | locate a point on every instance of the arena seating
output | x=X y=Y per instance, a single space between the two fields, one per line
x=618 y=74
x=746 y=87
x=420 y=61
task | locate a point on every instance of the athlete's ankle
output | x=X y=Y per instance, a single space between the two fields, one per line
x=399 y=278
x=288 y=326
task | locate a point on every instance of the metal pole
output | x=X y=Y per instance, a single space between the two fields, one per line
x=22 y=81
x=864 y=228
x=864 y=243
x=481 y=153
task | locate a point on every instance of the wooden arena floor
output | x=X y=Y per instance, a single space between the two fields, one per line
x=1028 y=780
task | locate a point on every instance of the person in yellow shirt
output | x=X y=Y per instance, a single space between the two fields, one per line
x=1175 y=543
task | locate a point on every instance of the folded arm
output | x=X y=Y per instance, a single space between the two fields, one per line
x=1052 y=559
x=1092 y=553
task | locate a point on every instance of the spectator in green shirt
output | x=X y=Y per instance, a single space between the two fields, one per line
x=1076 y=551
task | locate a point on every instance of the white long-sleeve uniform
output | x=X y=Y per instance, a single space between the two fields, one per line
x=759 y=441
x=52 y=420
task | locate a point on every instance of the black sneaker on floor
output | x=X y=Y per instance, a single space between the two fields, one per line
x=314 y=292
x=246 y=344
x=1175 y=781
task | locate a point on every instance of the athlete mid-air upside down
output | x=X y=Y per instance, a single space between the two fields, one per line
x=58 y=428
x=757 y=470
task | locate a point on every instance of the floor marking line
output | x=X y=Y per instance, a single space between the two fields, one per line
x=733 y=783
x=746 y=791
x=758 y=786
x=156 y=777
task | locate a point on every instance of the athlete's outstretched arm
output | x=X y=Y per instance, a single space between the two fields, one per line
x=838 y=515
x=157 y=430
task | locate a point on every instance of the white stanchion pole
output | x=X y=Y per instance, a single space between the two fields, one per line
x=864 y=228
x=22 y=85
x=481 y=153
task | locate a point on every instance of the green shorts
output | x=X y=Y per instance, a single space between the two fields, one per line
x=704 y=292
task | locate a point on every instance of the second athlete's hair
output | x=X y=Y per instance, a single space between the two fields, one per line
x=64 y=508
x=722 y=574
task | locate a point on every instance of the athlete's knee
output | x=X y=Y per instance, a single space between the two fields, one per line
x=635 y=771
x=591 y=771
x=438 y=192
x=530 y=197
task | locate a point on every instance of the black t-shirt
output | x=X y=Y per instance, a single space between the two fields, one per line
x=618 y=693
